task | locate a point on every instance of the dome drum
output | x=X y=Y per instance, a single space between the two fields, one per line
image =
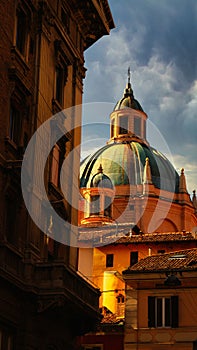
x=128 y=122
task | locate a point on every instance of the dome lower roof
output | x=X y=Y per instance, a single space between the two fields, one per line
x=101 y=180
x=124 y=164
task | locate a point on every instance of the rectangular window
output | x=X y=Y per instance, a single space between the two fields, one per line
x=21 y=31
x=95 y=205
x=137 y=126
x=11 y=220
x=163 y=311
x=144 y=129
x=123 y=125
x=65 y=20
x=195 y=345
x=15 y=124
x=107 y=206
x=6 y=340
x=112 y=128
x=133 y=258
x=55 y=165
x=161 y=251
x=92 y=347
x=9 y=345
x=109 y=260
x=59 y=87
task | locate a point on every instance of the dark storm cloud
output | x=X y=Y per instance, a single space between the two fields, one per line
x=158 y=40
x=170 y=30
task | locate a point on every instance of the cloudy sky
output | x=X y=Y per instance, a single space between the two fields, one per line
x=158 y=40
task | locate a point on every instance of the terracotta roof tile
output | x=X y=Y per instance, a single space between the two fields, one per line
x=119 y=235
x=156 y=237
x=182 y=259
x=112 y=318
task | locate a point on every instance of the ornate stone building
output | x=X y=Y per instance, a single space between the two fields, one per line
x=44 y=302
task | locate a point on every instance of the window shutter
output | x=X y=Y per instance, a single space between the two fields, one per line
x=174 y=311
x=151 y=311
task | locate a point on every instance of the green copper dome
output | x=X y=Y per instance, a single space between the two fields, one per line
x=123 y=163
x=128 y=100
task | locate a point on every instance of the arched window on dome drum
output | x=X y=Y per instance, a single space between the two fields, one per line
x=95 y=205
x=137 y=126
x=107 y=206
x=144 y=129
x=112 y=127
x=123 y=124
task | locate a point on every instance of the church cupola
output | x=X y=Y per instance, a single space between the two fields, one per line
x=128 y=119
x=99 y=197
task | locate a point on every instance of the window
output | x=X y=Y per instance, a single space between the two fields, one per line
x=161 y=251
x=92 y=347
x=95 y=205
x=107 y=206
x=9 y=343
x=59 y=87
x=6 y=339
x=120 y=305
x=21 y=31
x=109 y=260
x=55 y=165
x=163 y=311
x=195 y=345
x=15 y=124
x=65 y=20
x=112 y=128
x=11 y=219
x=144 y=128
x=123 y=125
x=133 y=258
x=137 y=126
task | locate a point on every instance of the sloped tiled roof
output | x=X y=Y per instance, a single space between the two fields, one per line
x=111 y=318
x=179 y=260
x=156 y=237
x=111 y=234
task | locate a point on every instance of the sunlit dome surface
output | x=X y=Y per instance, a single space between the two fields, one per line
x=128 y=102
x=124 y=164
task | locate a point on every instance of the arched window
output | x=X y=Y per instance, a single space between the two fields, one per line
x=137 y=126
x=123 y=124
x=120 y=305
x=112 y=127
x=107 y=206
x=95 y=205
